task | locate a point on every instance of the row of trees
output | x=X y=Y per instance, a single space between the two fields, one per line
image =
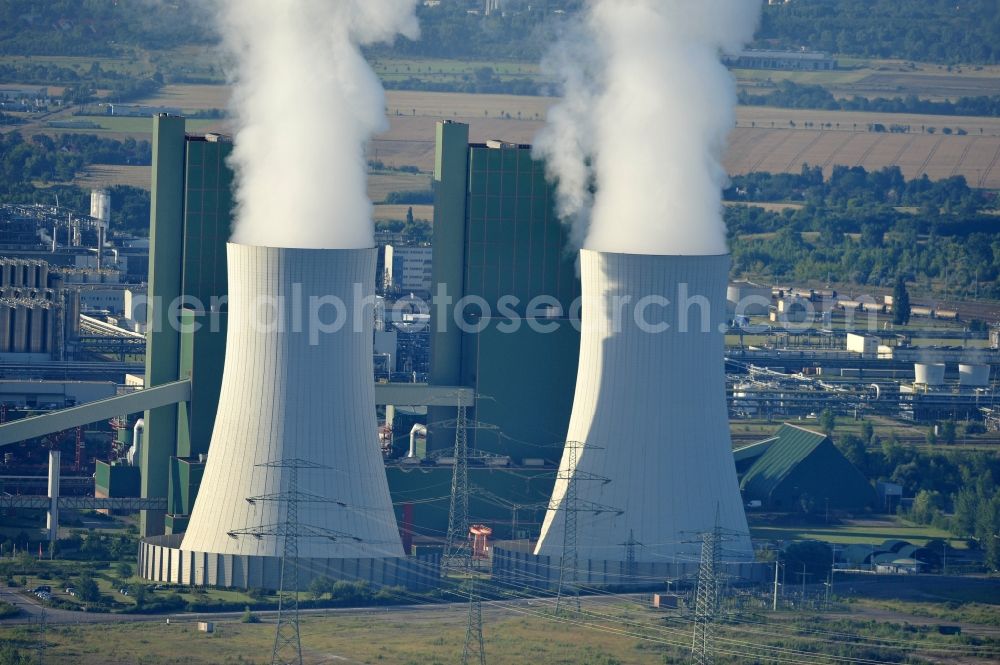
x=924 y=30
x=921 y=30
x=866 y=228
x=45 y=159
x=958 y=483
x=852 y=186
x=80 y=83
x=789 y=94
x=99 y=27
x=59 y=159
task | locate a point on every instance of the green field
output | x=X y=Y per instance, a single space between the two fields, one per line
x=82 y=64
x=447 y=70
x=124 y=125
x=856 y=532
x=609 y=631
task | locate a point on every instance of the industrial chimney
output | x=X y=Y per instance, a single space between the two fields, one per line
x=297 y=386
x=649 y=416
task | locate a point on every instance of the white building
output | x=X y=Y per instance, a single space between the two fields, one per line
x=867 y=345
x=408 y=269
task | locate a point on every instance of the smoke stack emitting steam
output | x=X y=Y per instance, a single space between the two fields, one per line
x=306 y=102
x=646 y=110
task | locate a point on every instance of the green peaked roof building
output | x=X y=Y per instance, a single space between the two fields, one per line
x=801 y=467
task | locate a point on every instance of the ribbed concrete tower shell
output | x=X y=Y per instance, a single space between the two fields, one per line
x=289 y=392
x=650 y=413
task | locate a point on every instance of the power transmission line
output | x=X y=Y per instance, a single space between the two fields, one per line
x=457 y=551
x=571 y=506
x=457 y=538
x=707 y=598
x=287 y=649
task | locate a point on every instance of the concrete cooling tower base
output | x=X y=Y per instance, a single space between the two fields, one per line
x=161 y=560
x=519 y=568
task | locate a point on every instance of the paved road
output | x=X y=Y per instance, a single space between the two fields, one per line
x=32 y=609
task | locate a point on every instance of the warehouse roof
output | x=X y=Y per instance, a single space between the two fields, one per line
x=801 y=467
x=788 y=448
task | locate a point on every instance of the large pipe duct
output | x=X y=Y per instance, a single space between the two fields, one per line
x=649 y=415
x=293 y=389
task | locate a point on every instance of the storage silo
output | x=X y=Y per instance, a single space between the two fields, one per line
x=36 y=327
x=928 y=374
x=649 y=413
x=6 y=315
x=973 y=376
x=71 y=309
x=100 y=206
x=748 y=299
x=19 y=343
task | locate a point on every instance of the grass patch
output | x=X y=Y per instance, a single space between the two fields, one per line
x=612 y=631
x=123 y=125
x=954 y=606
x=854 y=533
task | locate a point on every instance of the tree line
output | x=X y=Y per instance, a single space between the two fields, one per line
x=60 y=159
x=866 y=228
x=953 y=490
x=789 y=94
x=98 y=27
x=923 y=30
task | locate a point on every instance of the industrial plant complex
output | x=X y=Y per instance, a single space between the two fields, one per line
x=577 y=404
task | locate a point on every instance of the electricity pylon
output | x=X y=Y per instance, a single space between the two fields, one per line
x=630 y=546
x=457 y=538
x=457 y=553
x=707 y=599
x=571 y=506
x=287 y=649
x=474 y=644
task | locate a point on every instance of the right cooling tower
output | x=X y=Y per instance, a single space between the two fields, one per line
x=649 y=429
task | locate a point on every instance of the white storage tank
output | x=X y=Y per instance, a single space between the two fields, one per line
x=928 y=374
x=100 y=205
x=749 y=299
x=973 y=375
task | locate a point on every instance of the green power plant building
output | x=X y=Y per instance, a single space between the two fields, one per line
x=190 y=221
x=501 y=252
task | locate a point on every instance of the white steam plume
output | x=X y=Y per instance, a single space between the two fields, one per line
x=646 y=110
x=306 y=102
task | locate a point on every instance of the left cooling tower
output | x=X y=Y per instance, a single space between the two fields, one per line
x=297 y=386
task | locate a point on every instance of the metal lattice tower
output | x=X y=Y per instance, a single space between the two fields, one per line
x=630 y=545
x=474 y=628
x=287 y=641
x=457 y=539
x=287 y=649
x=41 y=645
x=457 y=553
x=571 y=507
x=707 y=599
x=570 y=558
